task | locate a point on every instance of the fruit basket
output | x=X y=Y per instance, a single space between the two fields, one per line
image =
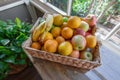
x=63 y=58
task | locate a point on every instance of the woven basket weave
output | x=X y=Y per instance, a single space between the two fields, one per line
x=66 y=60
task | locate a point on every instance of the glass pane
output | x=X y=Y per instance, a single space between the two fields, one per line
x=61 y=4
x=80 y=7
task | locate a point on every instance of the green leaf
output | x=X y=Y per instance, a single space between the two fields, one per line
x=3 y=66
x=2 y=23
x=16 y=49
x=10 y=59
x=18 y=22
x=4 y=41
x=23 y=55
x=21 y=61
x=4 y=50
x=21 y=37
x=10 y=22
x=2 y=56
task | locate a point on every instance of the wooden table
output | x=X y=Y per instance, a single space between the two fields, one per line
x=55 y=71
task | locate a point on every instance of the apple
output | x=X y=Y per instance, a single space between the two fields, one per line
x=84 y=26
x=86 y=55
x=75 y=54
x=78 y=42
x=79 y=31
x=90 y=30
x=91 y=20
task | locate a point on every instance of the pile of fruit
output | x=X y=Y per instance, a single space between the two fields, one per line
x=68 y=36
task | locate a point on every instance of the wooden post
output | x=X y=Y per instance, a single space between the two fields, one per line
x=69 y=7
x=114 y=30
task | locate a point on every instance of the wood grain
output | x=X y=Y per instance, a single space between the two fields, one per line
x=55 y=71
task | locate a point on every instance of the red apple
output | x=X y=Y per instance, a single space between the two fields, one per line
x=75 y=54
x=78 y=42
x=91 y=20
x=85 y=55
x=79 y=31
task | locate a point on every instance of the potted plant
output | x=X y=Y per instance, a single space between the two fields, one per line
x=12 y=35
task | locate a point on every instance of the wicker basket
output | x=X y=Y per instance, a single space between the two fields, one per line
x=79 y=63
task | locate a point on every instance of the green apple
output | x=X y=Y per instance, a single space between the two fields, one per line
x=86 y=55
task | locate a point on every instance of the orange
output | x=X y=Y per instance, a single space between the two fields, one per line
x=51 y=46
x=60 y=39
x=91 y=41
x=35 y=45
x=67 y=32
x=56 y=31
x=58 y=19
x=74 y=22
x=48 y=36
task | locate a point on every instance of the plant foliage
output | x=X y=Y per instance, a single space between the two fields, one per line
x=12 y=35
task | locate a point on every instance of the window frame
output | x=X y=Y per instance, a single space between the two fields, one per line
x=68 y=11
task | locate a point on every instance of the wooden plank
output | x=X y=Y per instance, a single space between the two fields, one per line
x=6 y=2
x=29 y=73
x=55 y=71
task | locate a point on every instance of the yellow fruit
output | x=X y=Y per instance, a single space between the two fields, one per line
x=48 y=36
x=35 y=45
x=60 y=39
x=65 y=48
x=74 y=22
x=58 y=19
x=67 y=32
x=56 y=31
x=91 y=41
x=51 y=46
x=38 y=31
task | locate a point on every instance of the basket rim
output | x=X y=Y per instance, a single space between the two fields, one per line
x=94 y=62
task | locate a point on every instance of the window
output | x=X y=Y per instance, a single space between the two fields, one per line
x=80 y=7
x=61 y=4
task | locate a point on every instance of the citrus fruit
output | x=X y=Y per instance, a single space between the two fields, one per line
x=48 y=36
x=74 y=22
x=65 y=19
x=67 y=32
x=51 y=46
x=91 y=41
x=58 y=19
x=35 y=45
x=56 y=31
x=60 y=39
x=65 y=48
